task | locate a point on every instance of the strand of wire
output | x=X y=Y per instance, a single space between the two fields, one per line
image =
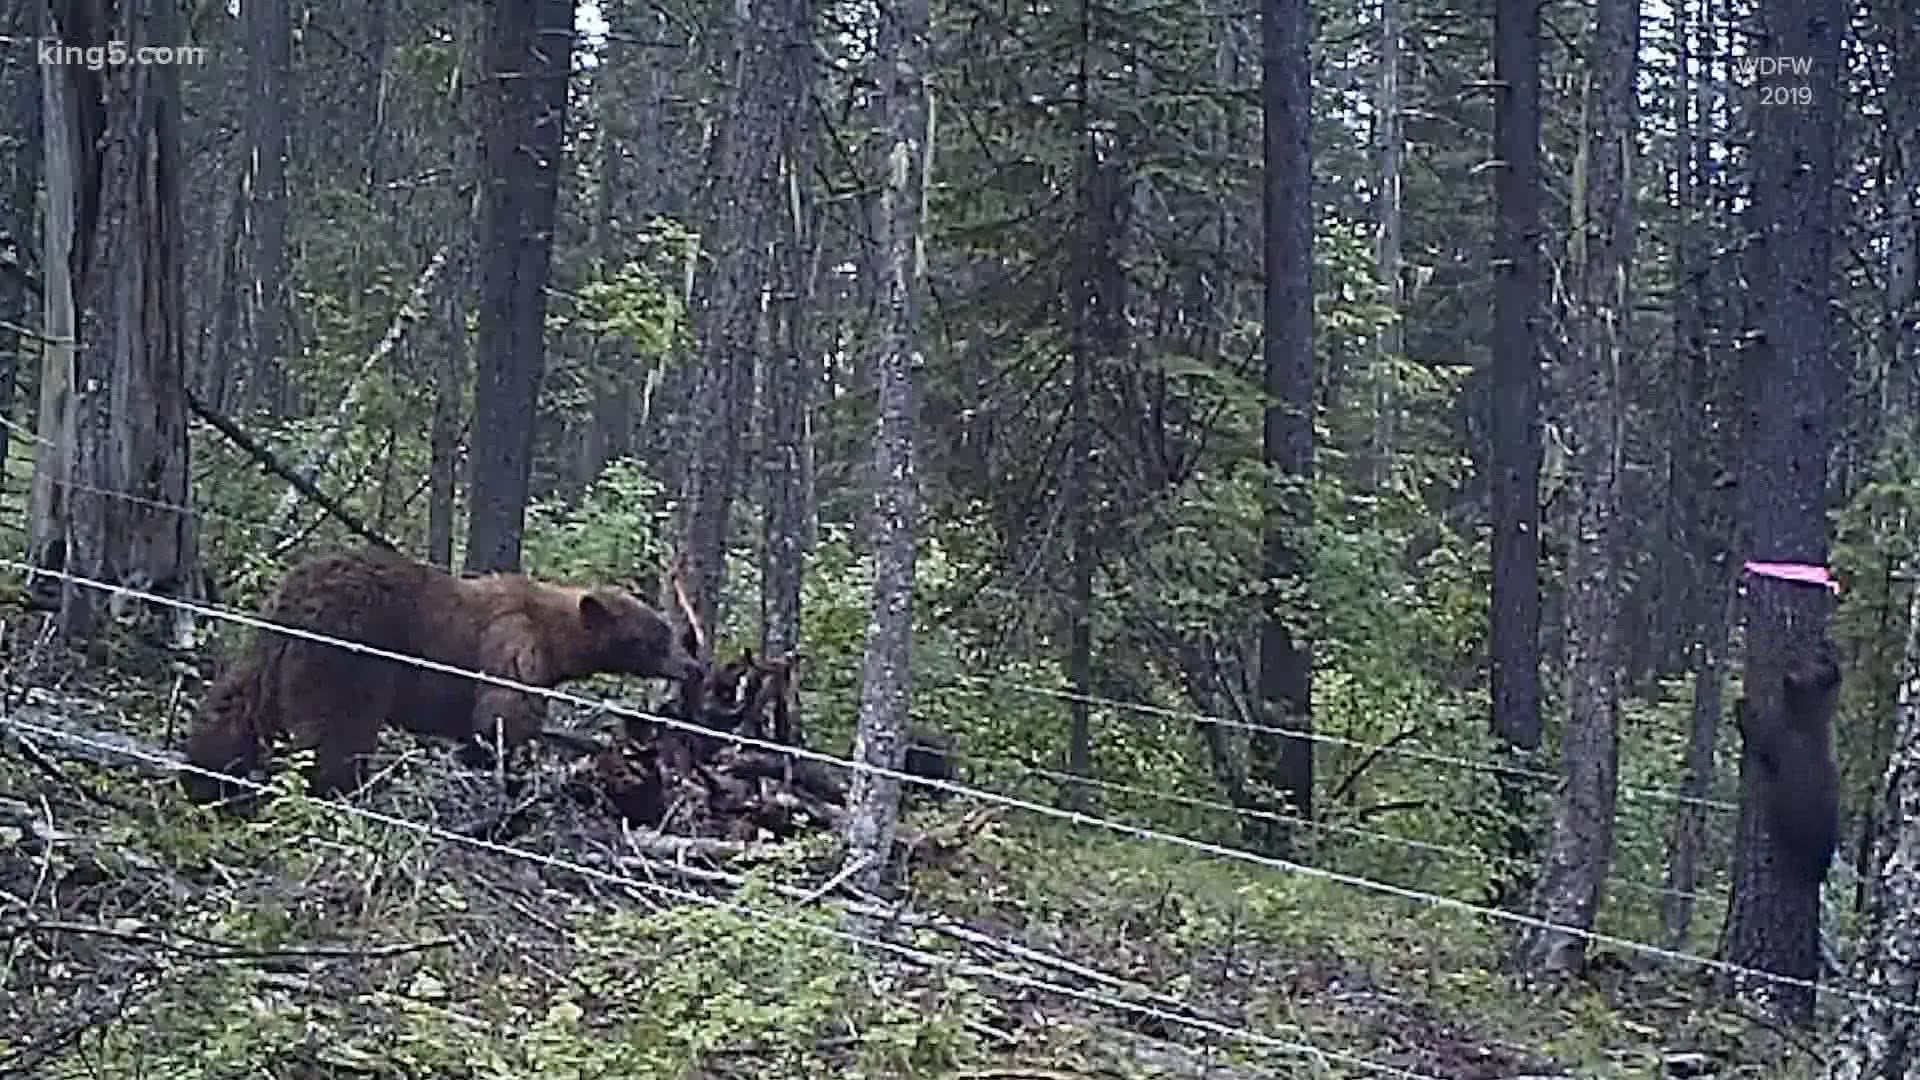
x=1330 y=827
x=749 y=913
x=1191 y=716
x=128 y=496
x=1184 y=715
x=980 y=794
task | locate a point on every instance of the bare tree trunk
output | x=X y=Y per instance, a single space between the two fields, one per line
x=1701 y=416
x=1774 y=918
x=1875 y=1039
x=379 y=48
x=790 y=389
x=73 y=120
x=20 y=181
x=1390 y=146
x=450 y=381
x=727 y=319
x=1514 y=611
x=130 y=431
x=1901 y=400
x=220 y=337
x=1283 y=762
x=899 y=165
x=269 y=64
x=1580 y=852
x=449 y=392
x=1077 y=492
x=529 y=51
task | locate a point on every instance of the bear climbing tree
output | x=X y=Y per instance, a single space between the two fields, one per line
x=1789 y=745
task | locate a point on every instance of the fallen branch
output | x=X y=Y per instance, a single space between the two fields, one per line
x=265 y=459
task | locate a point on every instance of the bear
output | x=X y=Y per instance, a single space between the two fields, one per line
x=334 y=700
x=1790 y=749
x=929 y=755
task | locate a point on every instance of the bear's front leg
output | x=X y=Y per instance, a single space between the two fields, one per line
x=503 y=720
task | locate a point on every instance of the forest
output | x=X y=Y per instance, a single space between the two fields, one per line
x=959 y=539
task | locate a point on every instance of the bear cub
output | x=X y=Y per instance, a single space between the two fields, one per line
x=1790 y=746
x=334 y=700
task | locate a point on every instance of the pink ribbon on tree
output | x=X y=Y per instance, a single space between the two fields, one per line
x=1803 y=573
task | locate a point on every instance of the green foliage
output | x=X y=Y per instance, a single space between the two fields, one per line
x=615 y=532
x=1875 y=543
x=635 y=304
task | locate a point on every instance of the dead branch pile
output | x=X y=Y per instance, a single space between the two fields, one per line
x=665 y=778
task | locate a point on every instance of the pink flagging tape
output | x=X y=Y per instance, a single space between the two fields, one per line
x=1803 y=573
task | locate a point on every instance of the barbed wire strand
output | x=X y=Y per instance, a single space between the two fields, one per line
x=1072 y=816
x=1191 y=716
x=749 y=913
x=1321 y=826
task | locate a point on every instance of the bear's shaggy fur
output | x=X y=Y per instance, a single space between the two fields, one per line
x=335 y=700
x=1791 y=748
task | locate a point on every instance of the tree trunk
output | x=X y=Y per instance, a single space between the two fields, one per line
x=450 y=379
x=1580 y=852
x=1701 y=421
x=902 y=147
x=130 y=418
x=529 y=49
x=1077 y=495
x=1282 y=762
x=269 y=63
x=1514 y=611
x=727 y=322
x=1901 y=399
x=72 y=121
x=1875 y=1040
x=789 y=429
x=1390 y=146
x=20 y=180
x=379 y=88
x=219 y=342
x=449 y=392
x=1774 y=917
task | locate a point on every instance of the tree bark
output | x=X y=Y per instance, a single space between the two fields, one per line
x=72 y=119
x=899 y=165
x=1701 y=422
x=449 y=392
x=735 y=239
x=269 y=64
x=1580 y=851
x=1390 y=147
x=1283 y=762
x=1875 y=1039
x=530 y=50
x=790 y=391
x=1514 y=610
x=1774 y=916
x=20 y=180
x=129 y=414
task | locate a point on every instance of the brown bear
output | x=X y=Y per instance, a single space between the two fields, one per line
x=334 y=700
x=1791 y=748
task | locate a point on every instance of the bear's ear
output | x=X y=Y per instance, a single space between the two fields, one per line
x=1806 y=681
x=595 y=612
